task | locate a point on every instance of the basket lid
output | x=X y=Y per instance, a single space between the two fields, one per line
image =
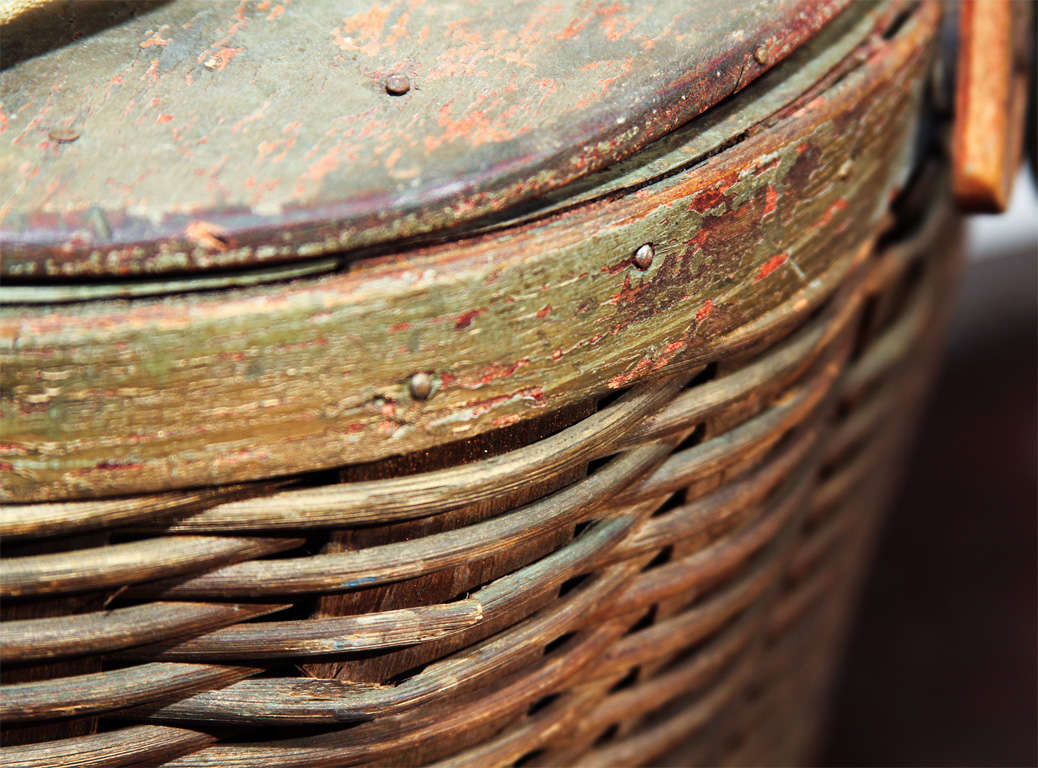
x=190 y=135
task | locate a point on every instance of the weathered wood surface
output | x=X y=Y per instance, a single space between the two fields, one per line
x=105 y=691
x=701 y=687
x=991 y=96
x=136 y=745
x=214 y=134
x=117 y=565
x=315 y=373
x=667 y=582
x=112 y=630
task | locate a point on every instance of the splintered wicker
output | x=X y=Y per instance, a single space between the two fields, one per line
x=613 y=513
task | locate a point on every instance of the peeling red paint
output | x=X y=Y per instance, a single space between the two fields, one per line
x=771 y=265
x=156 y=39
x=616 y=268
x=465 y=320
x=707 y=200
x=704 y=311
x=399 y=327
x=831 y=211
x=544 y=311
x=627 y=292
x=771 y=199
x=223 y=57
x=491 y=373
x=648 y=365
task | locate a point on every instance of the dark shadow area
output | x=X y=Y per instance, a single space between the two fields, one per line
x=941 y=667
x=44 y=28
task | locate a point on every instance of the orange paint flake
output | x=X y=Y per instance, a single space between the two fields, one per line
x=556 y=354
x=771 y=265
x=223 y=57
x=153 y=71
x=831 y=211
x=544 y=311
x=156 y=39
x=647 y=365
x=164 y=118
x=278 y=10
x=465 y=320
x=704 y=311
x=770 y=199
x=572 y=29
x=362 y=32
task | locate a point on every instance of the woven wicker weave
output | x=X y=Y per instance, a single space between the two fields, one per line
x=658 y=567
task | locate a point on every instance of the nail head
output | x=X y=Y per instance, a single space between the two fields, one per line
x=398 y=84
x=63 y=135
x=761 y=55
x=644 y=255
x=420 y=385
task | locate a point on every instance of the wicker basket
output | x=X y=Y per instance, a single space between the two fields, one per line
x=651 y=546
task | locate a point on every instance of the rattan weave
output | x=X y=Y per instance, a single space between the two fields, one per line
x=619 y=517
x=695 y=574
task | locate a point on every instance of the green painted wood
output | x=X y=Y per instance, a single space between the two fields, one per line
x=198 y=134
x=102 y=398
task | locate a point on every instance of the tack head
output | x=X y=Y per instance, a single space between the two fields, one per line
x=644 y=255
x=420 y=385
x=63 y=135
x=761 y=55
x=398 y=84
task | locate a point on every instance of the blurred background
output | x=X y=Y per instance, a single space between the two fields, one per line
x=941 y=667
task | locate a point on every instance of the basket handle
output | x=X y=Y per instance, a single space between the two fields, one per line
x=991 y=94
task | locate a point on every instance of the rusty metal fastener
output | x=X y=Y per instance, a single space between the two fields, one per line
x=643 y=256
x=761 y=55
x=398 y=84
x=420 y=385
x=63 y=135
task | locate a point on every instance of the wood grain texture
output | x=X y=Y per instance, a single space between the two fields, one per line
x=991 y=95
x=507 y=103
x=112 y=630
x=118 y=565
x=314 y=373
x=666 y=557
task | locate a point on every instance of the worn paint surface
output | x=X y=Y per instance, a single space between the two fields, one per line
x=211 y=134
x=108 y=397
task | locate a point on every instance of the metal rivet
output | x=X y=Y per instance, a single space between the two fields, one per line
x=398 y=84
x=421 y=385
x=761 y=55
x=643 y=256
x=63 y=135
